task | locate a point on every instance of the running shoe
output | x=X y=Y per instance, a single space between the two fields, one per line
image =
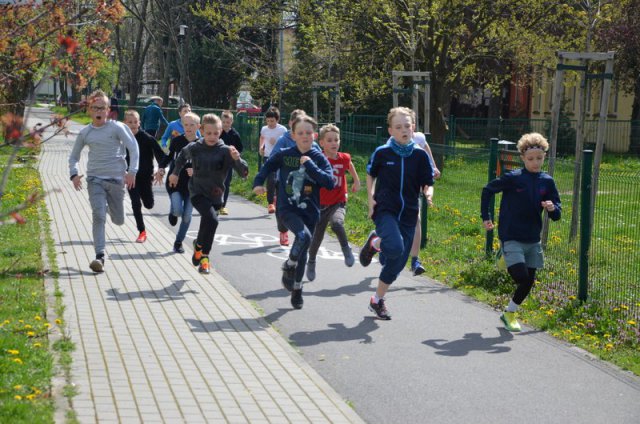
x=142 y=237
x=311 y=270
x=368 y=251
x=416 y=267
x=348 y=256
x=288 y=275
x=97 y=265
x=204 y=267
x=224 y=211
x=173 y=220
x=177 y=247
x=197 y=254
x=510 y=321
x=296 y=299
x=380 y=309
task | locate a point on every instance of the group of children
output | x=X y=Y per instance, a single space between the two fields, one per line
x=307 y=189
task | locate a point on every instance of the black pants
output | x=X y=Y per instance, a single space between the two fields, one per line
x=524 y=278
x=141 y=194
x=227 y=186
x=208 y=221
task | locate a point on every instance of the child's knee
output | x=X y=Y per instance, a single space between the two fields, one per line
x=392 y=248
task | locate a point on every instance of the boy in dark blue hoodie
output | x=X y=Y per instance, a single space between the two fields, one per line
x=526 y=193
x=396 y=174
x=302 y=171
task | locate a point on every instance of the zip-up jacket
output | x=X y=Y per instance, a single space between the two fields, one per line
x=148 y=148
x=298 y=185
x=399 y=182
x=211 y=165
x=520 y=216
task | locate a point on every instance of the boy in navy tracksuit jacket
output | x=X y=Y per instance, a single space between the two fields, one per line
x=526 y=192
x=302 y=171
x=396 y=173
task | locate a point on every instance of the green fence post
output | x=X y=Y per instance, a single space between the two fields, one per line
x=378 y=136
x=493 y=164
x=424 y=210
x=585 y=225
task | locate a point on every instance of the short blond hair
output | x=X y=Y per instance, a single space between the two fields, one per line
x=405 y=111
x=227 y=114
x=193 y=116
x=532 y=140
x=96 y=95
x=212 y=119
x=328 y=128
x=131 y=112
x=303 y=118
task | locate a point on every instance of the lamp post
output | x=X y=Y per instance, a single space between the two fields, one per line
x=183 y=61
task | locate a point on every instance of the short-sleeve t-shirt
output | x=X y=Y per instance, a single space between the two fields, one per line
x=271 y=135
x=338 y=194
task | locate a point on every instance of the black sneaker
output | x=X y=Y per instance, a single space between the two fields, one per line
x=368 y=252
x=380 y=309
x=311 y=270
x=177 y=247
x=296 y=299
x=97 y=265
x=288 y=276
x=417 y=268
x=349 y=260
x=173 y=220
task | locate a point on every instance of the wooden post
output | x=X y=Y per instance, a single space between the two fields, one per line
x=584 y=89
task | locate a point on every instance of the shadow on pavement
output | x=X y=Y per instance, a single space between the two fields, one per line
x=471 y=342
x=230 y=325
x=171 y=292
x=337 y=333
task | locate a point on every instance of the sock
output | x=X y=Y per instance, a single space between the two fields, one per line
x=376 y=299
x=414 y=259
x=291 y=262
x=375 y=243
x=512 y=307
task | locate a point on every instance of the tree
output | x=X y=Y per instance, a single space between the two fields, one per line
x=621 y=32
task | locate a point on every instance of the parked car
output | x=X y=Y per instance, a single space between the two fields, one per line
x=248 y=108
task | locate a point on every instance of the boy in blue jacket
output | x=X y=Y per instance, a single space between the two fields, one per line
x=526 y=193
x=302 y=171
x=396 y=173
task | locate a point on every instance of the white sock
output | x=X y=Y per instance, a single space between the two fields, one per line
x=376 y=299
x=512 y=307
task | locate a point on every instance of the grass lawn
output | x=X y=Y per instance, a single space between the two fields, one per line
x=454 y=255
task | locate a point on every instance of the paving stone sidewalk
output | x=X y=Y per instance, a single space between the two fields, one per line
x=156 y=342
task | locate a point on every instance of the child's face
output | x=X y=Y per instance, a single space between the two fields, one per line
x=133 y=123
x=330 y=144
x=184 y=111
x=401 y=128
x=533 y=159
x=227 y=123
x=98 y=111
x=271 y=122
x=211 y=133
x=303 y=136
x=190 y=127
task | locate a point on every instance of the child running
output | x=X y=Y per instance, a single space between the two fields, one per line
x=211 y=161
x=333 y=202
x=302 y=171
x=396 y=173
x=179 y=193
x=231 y=137
x=526 y=193
x=269 y=134
x=142 y=193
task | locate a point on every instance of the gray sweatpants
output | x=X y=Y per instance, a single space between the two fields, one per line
x=333 y=215
x=105 y=195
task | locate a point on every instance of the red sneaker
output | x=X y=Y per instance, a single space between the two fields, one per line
x=284 y=239
x=142 y=237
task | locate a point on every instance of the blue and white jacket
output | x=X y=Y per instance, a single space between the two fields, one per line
x=399 y=182
x=520 y=216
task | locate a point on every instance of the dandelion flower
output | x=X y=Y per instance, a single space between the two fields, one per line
x=17 y=397
x=37 y=345
x=47 y=325
x=31 y=397
x=27 y=326
x=631 y=322
x=13 y=352
x=17 y=386
x=31 y=333
x=17 y=360
x=608 y=346
x=37 y=318
x=58 y=321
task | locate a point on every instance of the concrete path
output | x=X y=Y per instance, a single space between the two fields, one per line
x=156 y=342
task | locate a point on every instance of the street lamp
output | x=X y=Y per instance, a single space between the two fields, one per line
x=182 y=33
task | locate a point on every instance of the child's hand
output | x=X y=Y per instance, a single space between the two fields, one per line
x=158 y=177
x=173 y=180
x=436 y=173
x=130 y=180
x=548 y=205
x=261 y=151
x=235 y=154
x=303 y=159
x=259 y=190
x=488 y=225
x=190 y=172
x=429 y=198
x=372 y=205
x=355 y=186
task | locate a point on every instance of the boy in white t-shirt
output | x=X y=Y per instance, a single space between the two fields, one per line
x=269 y=134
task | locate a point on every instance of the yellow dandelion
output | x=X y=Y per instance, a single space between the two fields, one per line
x=608 y=346
x=31 y=333
x=30 y=397
x=631 y=322
x=27 y=326
x=624 y=307
x=36 y=391
x=47 y=325
x=572 y=297
x=13 y=352
x=606 y=335
x=58 y=321
x=38 y=318
x=17 y=360
x=17 y=387
x=17 y=397
x=6 y=321
x=21 y=321
x=616 y=309
x=37 y=345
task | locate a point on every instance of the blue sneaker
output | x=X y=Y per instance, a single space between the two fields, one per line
x=416 y=267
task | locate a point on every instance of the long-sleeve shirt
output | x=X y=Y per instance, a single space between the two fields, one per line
x=399 y=181
x=108 y=145
x=211 y=165
x=152 y=116
x=232 y=138
x=148 y=149
x=298 y=185
x=177 y=144
x=520 y=216
x=174 y=129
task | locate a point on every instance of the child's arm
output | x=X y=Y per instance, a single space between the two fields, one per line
x=183 y=157
x=553 y=206
x=488 y=192
x=371 y=184
x=269 y=166
x=356 y=179
x=428 y=193
x=239 y=164
x=261 y=148
x=436 y=171
x=166 y=135
x=321 y=172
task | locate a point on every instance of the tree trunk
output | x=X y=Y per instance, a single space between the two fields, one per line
x=634 y=142
x=440 y=103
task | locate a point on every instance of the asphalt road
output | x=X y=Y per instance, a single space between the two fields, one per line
x=444 y=358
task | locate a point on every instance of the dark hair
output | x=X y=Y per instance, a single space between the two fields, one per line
x=272 y=112
x=182 y=106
